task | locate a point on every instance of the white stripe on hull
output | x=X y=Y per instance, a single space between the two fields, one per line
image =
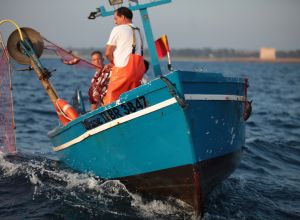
x=144 y=112
x=116 y=122
x=214 y=97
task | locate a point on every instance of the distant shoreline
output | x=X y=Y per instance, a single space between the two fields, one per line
x=237 y=59
x=207 y=59
x=211 y=55
x=215 y=59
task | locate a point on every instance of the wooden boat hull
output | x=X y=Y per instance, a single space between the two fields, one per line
x=178 y=136
x=189 y=183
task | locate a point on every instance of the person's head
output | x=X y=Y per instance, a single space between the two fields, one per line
x=97 y=58
x=123 y=15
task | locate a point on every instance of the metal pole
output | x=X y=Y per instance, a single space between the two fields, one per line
x=150 y=41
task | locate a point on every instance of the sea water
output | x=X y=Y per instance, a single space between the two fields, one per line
x=266 y=185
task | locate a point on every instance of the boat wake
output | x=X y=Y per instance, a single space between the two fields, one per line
x=55 y=191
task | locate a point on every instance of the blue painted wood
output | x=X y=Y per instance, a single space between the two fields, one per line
x=136 y=7
x=150 y=42
x=166 y=138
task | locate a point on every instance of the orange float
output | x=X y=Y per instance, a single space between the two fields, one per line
x=65 y=112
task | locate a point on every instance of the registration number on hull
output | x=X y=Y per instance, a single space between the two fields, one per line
x=115 y=112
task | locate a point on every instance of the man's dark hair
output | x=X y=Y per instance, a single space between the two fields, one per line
x=125 y=11
x=96 y=52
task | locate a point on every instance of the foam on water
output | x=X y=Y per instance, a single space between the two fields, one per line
x=265 y=186
x=7 y=167
x=86 y=192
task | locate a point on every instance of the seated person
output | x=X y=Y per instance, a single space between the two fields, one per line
x=99 y=82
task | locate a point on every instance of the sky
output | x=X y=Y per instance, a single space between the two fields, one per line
x=216 y=24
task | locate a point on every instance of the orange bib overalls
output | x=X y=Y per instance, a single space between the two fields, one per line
x=128 y=77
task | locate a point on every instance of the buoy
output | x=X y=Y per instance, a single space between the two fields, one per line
x=65 y=112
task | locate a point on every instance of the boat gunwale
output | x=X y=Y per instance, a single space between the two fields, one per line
x=205 y=77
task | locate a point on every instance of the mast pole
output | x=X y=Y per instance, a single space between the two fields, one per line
x=150 y=41
x=101 y=11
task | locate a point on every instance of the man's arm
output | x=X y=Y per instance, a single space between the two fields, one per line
x=109 y=53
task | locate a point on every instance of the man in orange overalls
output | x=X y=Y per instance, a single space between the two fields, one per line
x=124 y=51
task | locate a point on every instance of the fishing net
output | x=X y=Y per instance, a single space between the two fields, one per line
x=7 y=125
x=99 y=82
x=67 y=57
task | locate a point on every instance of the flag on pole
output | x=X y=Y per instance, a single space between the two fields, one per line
x=162 y=46
x=162 y=49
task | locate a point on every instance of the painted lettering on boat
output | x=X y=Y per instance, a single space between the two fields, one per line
x=115 y=112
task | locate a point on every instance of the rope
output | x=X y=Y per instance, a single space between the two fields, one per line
x=15 y=24
x=173 y=92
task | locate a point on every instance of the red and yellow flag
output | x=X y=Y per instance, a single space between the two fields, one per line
x=162 y=46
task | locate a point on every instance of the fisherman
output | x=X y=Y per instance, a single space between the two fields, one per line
x=124 y=51
x=99 y=82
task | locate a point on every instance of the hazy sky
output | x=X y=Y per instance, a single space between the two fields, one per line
x=237 y=24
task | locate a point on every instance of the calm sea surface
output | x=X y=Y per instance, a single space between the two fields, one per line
x=34 y=185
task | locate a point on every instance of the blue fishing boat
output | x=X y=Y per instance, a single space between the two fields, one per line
x=178 y=135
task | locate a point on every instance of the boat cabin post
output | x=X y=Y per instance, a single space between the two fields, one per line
x=147 y=28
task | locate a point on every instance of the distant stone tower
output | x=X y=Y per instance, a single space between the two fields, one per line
x=267 y=53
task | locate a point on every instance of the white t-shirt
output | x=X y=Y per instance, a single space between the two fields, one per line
x=121 y=37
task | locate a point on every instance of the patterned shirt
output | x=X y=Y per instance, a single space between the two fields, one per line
x=98 y=87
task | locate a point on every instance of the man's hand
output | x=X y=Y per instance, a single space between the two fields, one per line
x=107 y=68
x=109 y=53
